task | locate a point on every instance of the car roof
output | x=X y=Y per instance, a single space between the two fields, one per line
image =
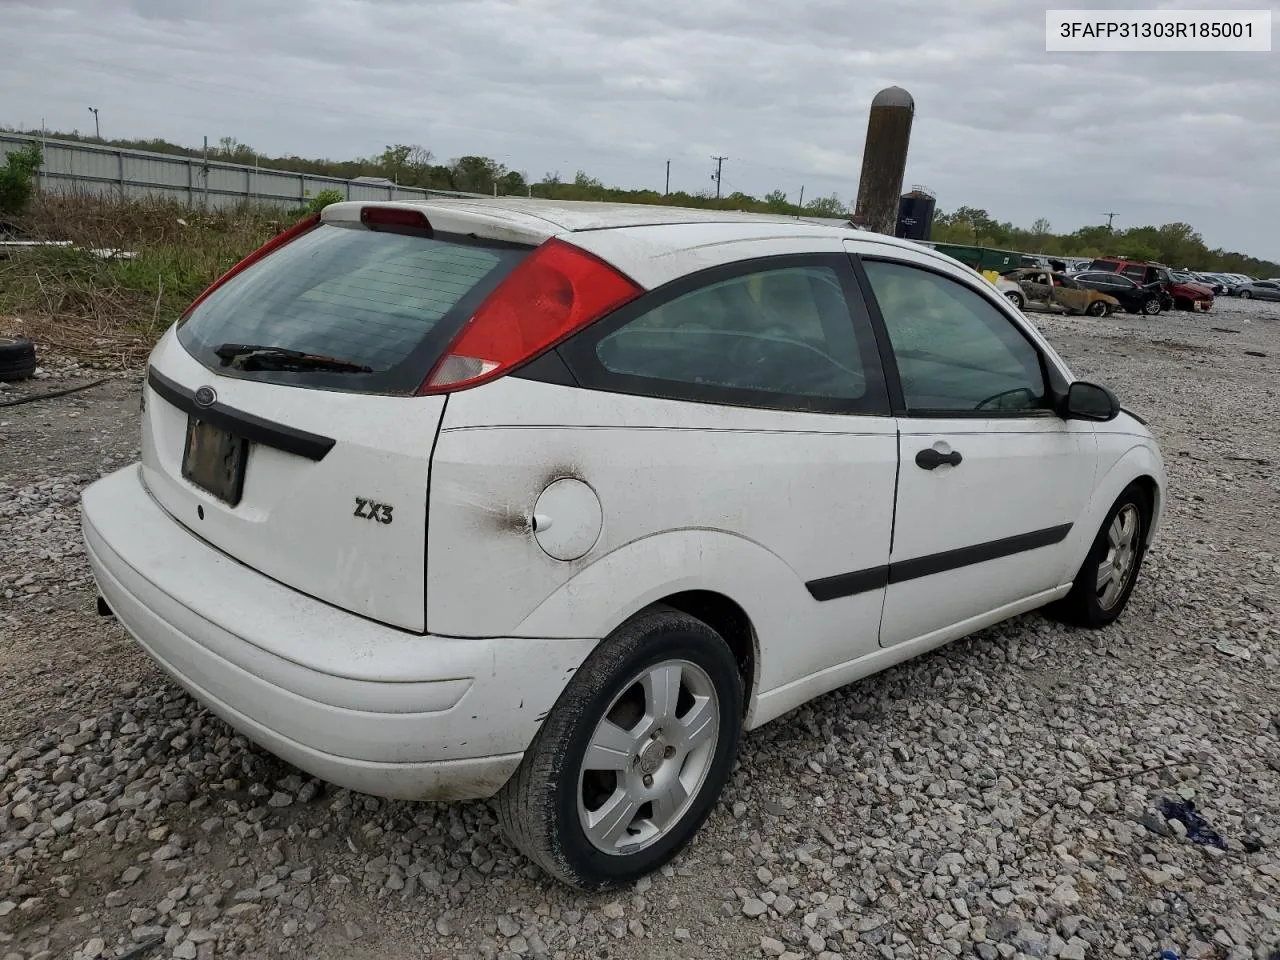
x=581 y=215
x=652 y=243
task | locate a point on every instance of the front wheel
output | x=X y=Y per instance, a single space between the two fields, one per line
x=1107 y=577
x=1245 y=294
x=633 y=755
x=1017 y=299
x=1151 y=307
x=1098 y=308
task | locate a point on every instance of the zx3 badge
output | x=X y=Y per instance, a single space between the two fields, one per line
x=372 y=510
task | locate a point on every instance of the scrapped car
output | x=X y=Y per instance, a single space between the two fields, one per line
x=1012 y=291
x=1060 y=290
x=552 y=501
x=1259 y=289
x=1134 y=297
x=1182 y=294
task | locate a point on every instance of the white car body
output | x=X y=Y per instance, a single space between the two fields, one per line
x=409 y=582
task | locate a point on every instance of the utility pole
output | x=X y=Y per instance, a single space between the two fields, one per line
x=716 y=176
x=800 y=205
x=667 y=189
x=1110 y=217
x=206 y=173
x=97 y=132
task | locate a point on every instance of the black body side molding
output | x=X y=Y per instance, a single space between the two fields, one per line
x=874 y=578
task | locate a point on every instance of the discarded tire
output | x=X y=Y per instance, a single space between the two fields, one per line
x=17 y=358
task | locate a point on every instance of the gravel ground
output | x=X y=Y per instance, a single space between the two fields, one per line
x=1000 y=798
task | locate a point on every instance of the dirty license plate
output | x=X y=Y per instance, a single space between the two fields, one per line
x=214 y=460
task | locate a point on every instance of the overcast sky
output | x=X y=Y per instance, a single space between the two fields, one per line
x=616 y=88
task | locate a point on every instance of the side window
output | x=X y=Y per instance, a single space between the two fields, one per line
x=1136 y=272
x=956 y=352
x=783 y=338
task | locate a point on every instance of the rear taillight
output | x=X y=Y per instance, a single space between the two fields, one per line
x=554 y=292
x=275 y=243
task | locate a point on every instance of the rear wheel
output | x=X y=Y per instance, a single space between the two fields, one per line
x=1107 y=577
x=1245 y=294
x=632 y=757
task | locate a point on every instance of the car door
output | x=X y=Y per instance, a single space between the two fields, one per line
x=1122 y=288
x=734 y=427
x=990 y=479
x=1068 y=295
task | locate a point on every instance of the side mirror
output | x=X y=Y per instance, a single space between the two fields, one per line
x=1089 y=401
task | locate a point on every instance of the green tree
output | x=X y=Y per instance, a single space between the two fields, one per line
x=512 y=184
x=475 y=174
x=323 y=199
x=17 y=179
x=776 y=200
x=831 y=206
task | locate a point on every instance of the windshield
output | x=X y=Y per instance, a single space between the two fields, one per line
x=386 y=302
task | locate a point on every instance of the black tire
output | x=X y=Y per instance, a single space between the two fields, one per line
x=538 y=806
x=1152 y=307
x=1244 y=295
x=1083 y=607
x=1017 y=299
x=1099 y=308
x=17 y=358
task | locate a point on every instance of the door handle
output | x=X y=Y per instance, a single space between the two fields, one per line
x=931 y=459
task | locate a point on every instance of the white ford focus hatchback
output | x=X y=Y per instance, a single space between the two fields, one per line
x=552 y=501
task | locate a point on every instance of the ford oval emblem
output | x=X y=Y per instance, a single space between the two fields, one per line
x=205 y=397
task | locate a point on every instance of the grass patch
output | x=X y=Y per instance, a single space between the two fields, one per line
x=129 y=271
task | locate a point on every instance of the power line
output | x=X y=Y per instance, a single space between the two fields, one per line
x=716 y=176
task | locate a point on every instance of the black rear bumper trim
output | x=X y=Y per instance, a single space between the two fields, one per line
x=313 y=446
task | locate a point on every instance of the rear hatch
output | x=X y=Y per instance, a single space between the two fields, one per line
x=282 y=422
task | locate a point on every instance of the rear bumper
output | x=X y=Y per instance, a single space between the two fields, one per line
x=354 y=702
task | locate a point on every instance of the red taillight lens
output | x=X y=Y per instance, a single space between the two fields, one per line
x=375 y=217
x=275 y=243
x=554 y=292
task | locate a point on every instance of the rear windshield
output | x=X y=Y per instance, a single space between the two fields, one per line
x=377 y=299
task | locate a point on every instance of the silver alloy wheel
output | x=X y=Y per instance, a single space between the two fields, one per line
x=1122 y=552
x=1014 y=298
x=648 y=757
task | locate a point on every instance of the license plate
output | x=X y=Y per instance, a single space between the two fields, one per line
x=214 y=460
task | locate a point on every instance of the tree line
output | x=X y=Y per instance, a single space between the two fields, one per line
x=1176 y=244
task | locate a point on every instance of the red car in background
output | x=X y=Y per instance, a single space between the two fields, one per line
x=1185 y=296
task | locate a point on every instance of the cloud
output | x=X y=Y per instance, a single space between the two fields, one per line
x=618 y=89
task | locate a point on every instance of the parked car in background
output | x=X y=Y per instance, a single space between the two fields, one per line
x=1057 y=289
x=1259 y=290
x=547 y=590
x=1226 y=281
x=1237 y=280
x=1134 y=297
x=1219 y=285
x=1216 y=287
x=1182 y=294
